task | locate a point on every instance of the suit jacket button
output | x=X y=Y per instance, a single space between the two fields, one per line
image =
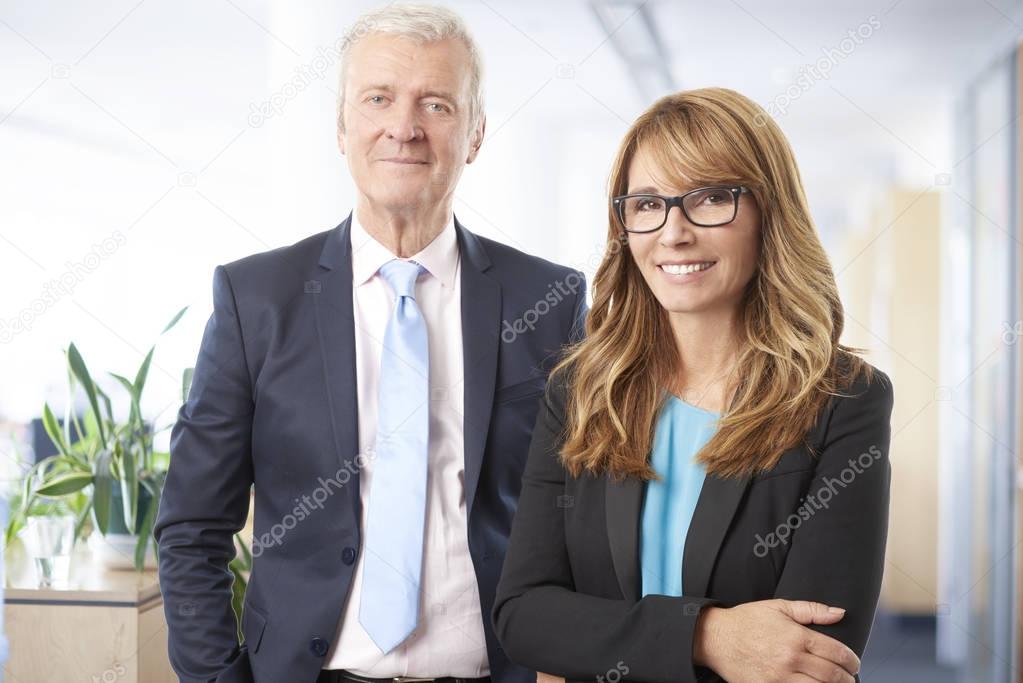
x=319 y=646
x=348 y=555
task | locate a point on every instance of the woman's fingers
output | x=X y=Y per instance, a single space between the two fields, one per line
x=822 y=669
x=806 y=612
x=541 y=677
x=832 y=650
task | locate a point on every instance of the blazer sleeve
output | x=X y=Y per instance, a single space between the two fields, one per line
x=579 y=312
x=206 y=500
x=837 y=548
x=540 y=619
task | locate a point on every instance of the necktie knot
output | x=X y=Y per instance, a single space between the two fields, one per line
x=401 y=276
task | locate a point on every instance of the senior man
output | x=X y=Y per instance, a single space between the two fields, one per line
x=363 y=383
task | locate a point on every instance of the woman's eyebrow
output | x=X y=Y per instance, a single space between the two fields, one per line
x=650 y=189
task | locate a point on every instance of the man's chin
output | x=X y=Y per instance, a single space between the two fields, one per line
x=401 y=199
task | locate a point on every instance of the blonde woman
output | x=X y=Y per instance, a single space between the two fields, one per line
x=706 y=494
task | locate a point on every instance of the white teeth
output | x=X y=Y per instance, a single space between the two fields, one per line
x=676 y=269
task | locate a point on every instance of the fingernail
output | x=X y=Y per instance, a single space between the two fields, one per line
x=836 y=610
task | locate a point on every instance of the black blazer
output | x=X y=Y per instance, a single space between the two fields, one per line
x=569 y=599
x=273 y=404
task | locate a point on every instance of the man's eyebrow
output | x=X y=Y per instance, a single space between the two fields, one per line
x=438 y=93
x=376 y=86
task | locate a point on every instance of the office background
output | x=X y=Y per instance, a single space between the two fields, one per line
x=144 y=142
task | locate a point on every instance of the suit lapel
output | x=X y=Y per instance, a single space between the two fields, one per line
x=481 y=327
x=336 y=326
x=719 y=499
x=623 y=502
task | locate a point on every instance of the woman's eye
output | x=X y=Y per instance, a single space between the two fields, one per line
x=375 y=99
x=435 y=107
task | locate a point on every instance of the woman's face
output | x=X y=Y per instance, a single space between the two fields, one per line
x=725 y=257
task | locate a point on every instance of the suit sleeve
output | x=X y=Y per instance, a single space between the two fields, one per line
x=540 y=619
x=206 y=499
x=578 y=330
x=838 y=546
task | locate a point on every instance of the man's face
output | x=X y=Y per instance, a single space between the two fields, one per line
x=406 y=120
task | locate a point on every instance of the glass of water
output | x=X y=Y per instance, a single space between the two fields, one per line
x=49 y=540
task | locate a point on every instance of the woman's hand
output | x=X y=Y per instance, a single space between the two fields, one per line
x=766 y=642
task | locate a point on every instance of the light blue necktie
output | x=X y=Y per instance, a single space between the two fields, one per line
x=393 y=557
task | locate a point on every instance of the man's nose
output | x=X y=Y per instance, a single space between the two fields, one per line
x=403 y=125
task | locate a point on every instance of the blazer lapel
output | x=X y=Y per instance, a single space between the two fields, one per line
x=718 y=501
x=336 y=327
x=623 y=502
x=481 y=328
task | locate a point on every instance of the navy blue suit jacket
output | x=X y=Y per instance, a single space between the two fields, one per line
x=273 y=408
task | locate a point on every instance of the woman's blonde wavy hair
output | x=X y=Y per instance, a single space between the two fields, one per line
x=789 y=361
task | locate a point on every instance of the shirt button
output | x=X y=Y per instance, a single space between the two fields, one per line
x=348 y=555
x=318 y=646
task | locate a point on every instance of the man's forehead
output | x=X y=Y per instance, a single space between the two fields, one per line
x=393 y=51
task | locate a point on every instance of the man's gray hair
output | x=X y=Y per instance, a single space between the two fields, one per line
x=423 y=24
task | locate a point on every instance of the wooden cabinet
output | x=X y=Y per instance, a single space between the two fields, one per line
x=106 y=626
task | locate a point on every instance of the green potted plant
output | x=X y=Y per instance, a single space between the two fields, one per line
x=110 y=478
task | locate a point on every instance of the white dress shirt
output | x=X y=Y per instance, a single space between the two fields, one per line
x=448 y=640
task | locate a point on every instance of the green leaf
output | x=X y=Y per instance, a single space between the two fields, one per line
x=124 y=382
x=246 y=553
x=82 y=373
x=103 y=484
x=65 y=484
x=237 y=594
x=83 y=517
x=145 y=535
x=106 y=402
x=174 y=320
x=140 y=376
x=129 y=487
x=53 y=430
x=186 y=383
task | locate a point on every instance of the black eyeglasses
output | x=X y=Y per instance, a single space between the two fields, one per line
x=707 y=207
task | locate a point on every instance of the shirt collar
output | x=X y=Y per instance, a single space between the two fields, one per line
x=439 y=257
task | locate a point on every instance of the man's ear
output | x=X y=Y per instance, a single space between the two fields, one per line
x=341 y=140
x=477 y=140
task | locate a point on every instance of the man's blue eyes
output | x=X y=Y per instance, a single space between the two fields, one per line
x=432 y=106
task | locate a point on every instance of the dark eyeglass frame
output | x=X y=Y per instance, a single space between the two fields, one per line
x=735 y=190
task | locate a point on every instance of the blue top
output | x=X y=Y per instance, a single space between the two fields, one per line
x=681 y=431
